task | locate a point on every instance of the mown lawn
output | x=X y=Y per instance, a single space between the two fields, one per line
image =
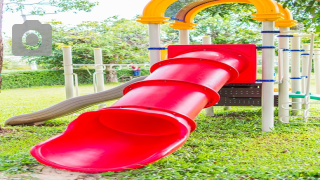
x=227 y=146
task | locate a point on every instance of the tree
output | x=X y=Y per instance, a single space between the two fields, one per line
x=306 y=12
x=226 y=24
x=227 y=30
x=122 y=42
x=61 y=5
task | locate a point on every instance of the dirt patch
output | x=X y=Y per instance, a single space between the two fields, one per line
x=48 y=173
x=3 y=130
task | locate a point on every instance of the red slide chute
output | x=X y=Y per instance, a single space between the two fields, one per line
x=155 y=116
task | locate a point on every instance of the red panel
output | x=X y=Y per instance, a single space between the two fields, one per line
x=247 y=51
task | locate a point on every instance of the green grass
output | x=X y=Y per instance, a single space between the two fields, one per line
x=227 y=146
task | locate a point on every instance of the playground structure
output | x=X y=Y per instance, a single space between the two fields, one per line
x=143 y=127
x=71 y=79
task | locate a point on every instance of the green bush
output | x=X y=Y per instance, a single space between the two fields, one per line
x=25 y=79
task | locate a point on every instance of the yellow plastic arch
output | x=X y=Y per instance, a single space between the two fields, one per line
x=267 y=10
x=189 y=17
x=189 y=14
x=287 y=20
x=153 y=13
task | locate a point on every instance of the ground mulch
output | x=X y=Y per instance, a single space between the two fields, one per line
x=3 y=130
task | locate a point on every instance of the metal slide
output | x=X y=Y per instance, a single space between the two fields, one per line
x=70 y=106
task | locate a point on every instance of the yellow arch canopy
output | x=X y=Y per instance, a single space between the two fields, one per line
x=187 y=14
x=267 y=10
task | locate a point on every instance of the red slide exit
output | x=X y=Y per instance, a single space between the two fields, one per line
x=155 y=116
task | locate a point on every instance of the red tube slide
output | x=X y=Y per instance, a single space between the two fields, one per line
x=155 y=116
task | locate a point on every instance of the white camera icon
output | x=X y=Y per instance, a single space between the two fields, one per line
x=45 y=47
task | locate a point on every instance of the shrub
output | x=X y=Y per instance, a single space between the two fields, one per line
x=25 y=79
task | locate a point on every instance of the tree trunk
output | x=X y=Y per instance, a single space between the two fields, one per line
x=111 y=75
x=1 y=42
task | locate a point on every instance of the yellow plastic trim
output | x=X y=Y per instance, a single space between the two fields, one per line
x=205 y=37
x=97 y=48
x=66 y=46
x=181 y=25
x=153 y=13
x=152 y=20
x=164 y=53
x=287 y=20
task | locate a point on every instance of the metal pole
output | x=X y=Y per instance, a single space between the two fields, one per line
x=267 y=75
x=304 y=74
x=209 y=110
x=68 y=71
x=283 y=71
x=295 y=73
x=154 y=42
x=99 y=71
x=317 y=70
x=183 y=36
x=307 y=98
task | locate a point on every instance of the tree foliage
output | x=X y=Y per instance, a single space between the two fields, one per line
x=305 y=11
x=122 y=41
x=227 y=24
x=39 y=7
x=227 y=30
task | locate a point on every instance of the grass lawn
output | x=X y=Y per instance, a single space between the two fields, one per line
x=227 y=146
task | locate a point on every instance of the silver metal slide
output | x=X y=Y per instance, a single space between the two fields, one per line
x=70 y=106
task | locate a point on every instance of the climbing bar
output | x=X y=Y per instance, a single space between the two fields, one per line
x=270 y=31
x=285 y=36
x=157 y=48
x=297 y=50
x=295 y=78
x=266 y=80
x=302 y=35
x=266 y=47
x=304 y=76
x=285 y=49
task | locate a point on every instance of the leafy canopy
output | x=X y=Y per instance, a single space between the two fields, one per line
x=39 y=7
x=122 y=41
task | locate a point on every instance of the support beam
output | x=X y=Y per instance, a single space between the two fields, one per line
x=295 y=73
x=317 y=69
x=283 y=71
x=99 y=72
x=305 y=62
x=154 y=42
x=209 y=110
x=267 y=76
x=68 y=71
x=184 y=37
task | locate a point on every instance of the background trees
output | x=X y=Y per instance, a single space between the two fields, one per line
x=306 y=12
x=126 y=41
x=122 y=41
